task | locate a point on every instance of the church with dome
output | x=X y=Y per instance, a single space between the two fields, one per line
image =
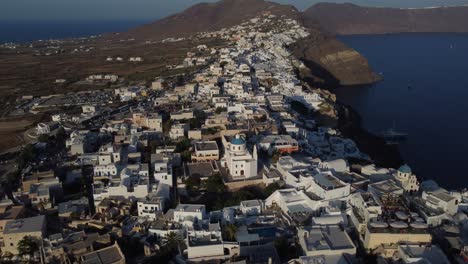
x=237 y=159
x=407 y=179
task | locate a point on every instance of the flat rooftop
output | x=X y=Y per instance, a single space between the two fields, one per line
x=206 y=146
x=204 y=169
x=250 y=203
x=388 y=186
x=327 y=238
x=10 y=213
x=106 y=255
x=189 y=207
x=327 y=181
x=25 y=225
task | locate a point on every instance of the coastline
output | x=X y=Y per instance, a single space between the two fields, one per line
x=349 y=123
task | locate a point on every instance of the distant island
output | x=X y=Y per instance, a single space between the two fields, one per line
x=349 y=19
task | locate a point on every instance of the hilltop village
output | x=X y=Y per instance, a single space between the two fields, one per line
x=237 y=162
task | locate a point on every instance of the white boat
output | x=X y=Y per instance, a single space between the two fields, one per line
x=401 y=215
x=419 y=225
x=379 y=224
x=418 y=219
x=399 y=224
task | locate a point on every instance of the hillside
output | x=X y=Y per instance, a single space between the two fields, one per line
x=346 y=19
x=209 y=17
x=331 y=61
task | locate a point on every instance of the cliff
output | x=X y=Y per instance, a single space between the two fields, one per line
x=332 y=63
x=347 y=19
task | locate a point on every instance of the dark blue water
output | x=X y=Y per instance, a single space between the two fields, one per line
x=25 y=31
x=425 y=93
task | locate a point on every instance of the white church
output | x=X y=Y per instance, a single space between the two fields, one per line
x=240 y=163
x=407 y=179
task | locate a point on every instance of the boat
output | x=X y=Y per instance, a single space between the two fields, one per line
x=418 y=219
x=379 y=224
x=419 y=225
x=399 y=224
x=401 y=215
x=391 y=136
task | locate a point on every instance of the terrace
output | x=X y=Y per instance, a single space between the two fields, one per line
x=327 y=182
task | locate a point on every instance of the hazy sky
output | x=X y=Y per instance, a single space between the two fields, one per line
x=150 y=9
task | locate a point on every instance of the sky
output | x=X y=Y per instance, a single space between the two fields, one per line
x=147 y=10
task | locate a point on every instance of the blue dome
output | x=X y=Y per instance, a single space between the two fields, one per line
x=237 y=141
x=405 y=169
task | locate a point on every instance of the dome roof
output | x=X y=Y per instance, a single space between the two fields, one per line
x=405 y=169
x=238 y=140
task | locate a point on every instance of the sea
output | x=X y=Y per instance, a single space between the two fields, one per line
x=26 y=31
x=424 y=93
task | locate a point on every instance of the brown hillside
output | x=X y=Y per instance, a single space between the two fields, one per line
x=208 y=17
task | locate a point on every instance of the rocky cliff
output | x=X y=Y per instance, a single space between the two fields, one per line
x=344 y=19
x=331 y=62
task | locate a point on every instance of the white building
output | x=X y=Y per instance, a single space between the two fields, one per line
x=189 y=213
x=251 y=207
x=178 y=131
x=149 y=206
x=238 y=160
x=328 y=187
x=204 y=245
x=441 y=200
x=163 y=169
x=325 y=240
x=292 y=201
x=205 y=151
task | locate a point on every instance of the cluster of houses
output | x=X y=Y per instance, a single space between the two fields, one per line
x=120 y=59
x=233 y=121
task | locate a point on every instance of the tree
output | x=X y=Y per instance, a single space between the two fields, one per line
x=271 y=188
x=27 y=246
x=192 y=183
x=183 y=145
x=219 y=110
x=198 y=119
x=261 y=119
x=186 y=156
x=167 y=126
x=27 y=154
x=215 y=184
x=173 y=241
x=43 y=138
x=275 y=156
x=230 y=232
